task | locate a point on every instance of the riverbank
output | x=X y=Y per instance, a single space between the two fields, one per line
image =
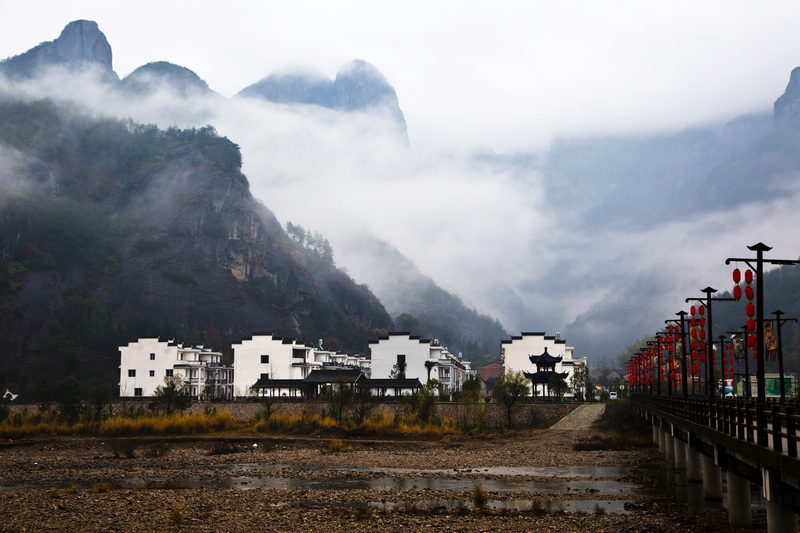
x=92 y=484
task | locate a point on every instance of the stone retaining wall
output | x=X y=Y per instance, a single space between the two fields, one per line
x=524 y=414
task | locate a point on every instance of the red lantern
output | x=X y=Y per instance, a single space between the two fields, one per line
x=702 y=322
x=693 y=310
x=702 y=310
x=748 y=276
x=751 y=325
x=751 y=309
x=737 y=275
x=702 y=334
x=737 y=293
x=752 y=343
x=748 y=293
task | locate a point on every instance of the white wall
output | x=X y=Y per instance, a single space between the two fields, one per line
x=136 y=356
x=247 y=365
x=384 y=354
x=516 y=351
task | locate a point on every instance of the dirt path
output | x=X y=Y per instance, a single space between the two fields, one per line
x=581 y=418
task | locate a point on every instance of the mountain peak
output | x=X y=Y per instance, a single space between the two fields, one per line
x=80 y=44
x=787 y=107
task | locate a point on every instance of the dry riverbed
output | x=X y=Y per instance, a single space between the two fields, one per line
x=91 y=484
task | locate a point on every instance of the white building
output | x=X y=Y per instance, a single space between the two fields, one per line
x=401 y=347
x=268 y=356
x=516 y=353
x=146 y=362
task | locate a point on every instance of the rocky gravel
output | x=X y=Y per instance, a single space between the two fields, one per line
x=91 y=484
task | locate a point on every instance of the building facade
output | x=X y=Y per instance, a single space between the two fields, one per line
x=516 y=355
x=423 y=359
x=146 y=362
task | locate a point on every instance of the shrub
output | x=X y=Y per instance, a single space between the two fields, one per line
x=479 y=495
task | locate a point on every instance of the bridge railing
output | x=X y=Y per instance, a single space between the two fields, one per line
x=772 y=424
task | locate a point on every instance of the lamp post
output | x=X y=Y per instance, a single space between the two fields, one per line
x=710 y=344
x=682 y=332
x=757 y=265
x=747 y=392
x=778 y=323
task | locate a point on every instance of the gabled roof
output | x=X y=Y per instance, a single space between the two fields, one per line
x=545 y=359
x=540 y=378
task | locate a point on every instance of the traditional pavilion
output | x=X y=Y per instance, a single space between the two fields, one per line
x=545 y=368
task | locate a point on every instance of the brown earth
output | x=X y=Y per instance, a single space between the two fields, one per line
x=88 y=484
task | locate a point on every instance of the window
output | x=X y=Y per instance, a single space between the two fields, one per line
x=131 y=373
x=401 y=359
x=264 y=359
x=169 y=373
x=152 y=373
x=137 y=391
x=152 y=357
x=264 y=376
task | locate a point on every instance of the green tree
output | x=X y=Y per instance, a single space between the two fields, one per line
x=509 y=390
x=471 y=388
x=430 y=365
x=173 y=394
x=557 y=385
x=406 y=322
x=398 y=370
x=580 y=381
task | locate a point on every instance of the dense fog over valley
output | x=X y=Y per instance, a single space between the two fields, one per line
x=587 y=233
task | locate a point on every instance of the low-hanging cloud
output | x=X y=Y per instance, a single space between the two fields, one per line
x=481 y=225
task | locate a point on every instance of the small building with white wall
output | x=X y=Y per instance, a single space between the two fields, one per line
x=402 y=347
x=515 y=354
x=266 y=356
x=145 y=363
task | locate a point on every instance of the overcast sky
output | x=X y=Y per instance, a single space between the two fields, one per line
x=503 y=75
x=469 y=76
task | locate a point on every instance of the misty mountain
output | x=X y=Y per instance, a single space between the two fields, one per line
x=421 y=306
x=112 y=230
x=160 y=75
x=80 y=46
x=358 y=86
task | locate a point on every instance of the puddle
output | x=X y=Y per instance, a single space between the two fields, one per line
x=671 y=482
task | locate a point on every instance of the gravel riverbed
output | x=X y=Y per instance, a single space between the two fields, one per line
x=92 y=484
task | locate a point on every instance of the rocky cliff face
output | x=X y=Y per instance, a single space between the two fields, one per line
x=787 y=107
x=80 y=45
x=113 y=230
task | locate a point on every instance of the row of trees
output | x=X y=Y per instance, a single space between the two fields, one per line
x=313 y=243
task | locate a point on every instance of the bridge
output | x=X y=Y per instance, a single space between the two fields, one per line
x=750 y=442
x=677 y=386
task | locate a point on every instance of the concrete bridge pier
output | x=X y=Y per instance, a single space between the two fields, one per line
x=779 y=518
x=680 y=453
x=739 y=506
x=669 y=444
x=662 y=436
x=694 y=465
x=655 y=433
x=712 y=479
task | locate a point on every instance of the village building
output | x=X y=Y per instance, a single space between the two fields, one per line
x=146 y=362
x=419 y=359
x=270 y=365
x=536 y=355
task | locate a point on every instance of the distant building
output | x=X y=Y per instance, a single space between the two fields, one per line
x=489 y=374
x=279 y=364
x=146 y=362
x=517 y=354
x=390 y=350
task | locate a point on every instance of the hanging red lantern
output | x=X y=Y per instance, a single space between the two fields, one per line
x=694 y=344
x=702 y=357
x=702 y=322
x=694 y=333
x=748 y=276
x=737 y=275
x=702 y=334
x=737 y=292
x=751 y=325
x=703 y=346
x=752 y=343
x=751 y=310
x=702 y=309
x=748 y=293
x=693 y=310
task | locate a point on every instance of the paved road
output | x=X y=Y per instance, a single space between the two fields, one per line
x=581 y=418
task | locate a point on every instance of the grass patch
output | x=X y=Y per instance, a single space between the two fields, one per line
x=101 y=488
x=479 y=495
